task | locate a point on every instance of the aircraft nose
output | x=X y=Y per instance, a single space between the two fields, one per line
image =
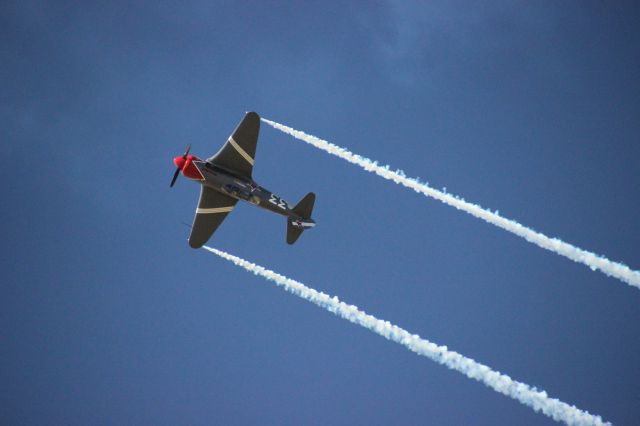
x=179 y=162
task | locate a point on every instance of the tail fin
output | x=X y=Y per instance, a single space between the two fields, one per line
x=295 y=225
x=305 y=206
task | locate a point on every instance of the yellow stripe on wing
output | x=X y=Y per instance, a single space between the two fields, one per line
x=241 y=151
x=214 y=210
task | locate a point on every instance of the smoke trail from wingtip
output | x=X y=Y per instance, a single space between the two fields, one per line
x=592 y=260
x=538 y=400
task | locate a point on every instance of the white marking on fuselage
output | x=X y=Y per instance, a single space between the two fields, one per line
x=300 y=224
x=241 y=151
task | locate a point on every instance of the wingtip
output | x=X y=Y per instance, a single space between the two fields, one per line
x=195 y=245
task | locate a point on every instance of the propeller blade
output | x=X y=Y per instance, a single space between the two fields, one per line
x=175 y=176
x=184 y=157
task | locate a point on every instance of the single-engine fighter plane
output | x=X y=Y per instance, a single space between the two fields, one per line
x=226 y=178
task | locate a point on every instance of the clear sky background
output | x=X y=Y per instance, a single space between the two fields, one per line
x=108 y=317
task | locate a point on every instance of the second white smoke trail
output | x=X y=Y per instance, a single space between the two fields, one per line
x=595 y=262
x=501 y=383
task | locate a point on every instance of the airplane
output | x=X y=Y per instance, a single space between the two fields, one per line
x=226 y=178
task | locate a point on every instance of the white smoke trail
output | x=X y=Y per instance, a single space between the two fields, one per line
x=501 y=383
x=595 y=262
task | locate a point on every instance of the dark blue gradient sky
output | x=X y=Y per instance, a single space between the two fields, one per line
x=108 y=317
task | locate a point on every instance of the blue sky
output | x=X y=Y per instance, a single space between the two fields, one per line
x=107 y=316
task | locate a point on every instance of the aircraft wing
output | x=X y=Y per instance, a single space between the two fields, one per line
x=238 y=153
x=213 y=207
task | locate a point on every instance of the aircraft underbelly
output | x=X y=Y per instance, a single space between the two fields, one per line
x=246 y=191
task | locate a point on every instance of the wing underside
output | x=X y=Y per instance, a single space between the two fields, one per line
x=238 y=154
x=213 y=207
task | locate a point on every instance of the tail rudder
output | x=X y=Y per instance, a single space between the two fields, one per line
x=295 y=225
